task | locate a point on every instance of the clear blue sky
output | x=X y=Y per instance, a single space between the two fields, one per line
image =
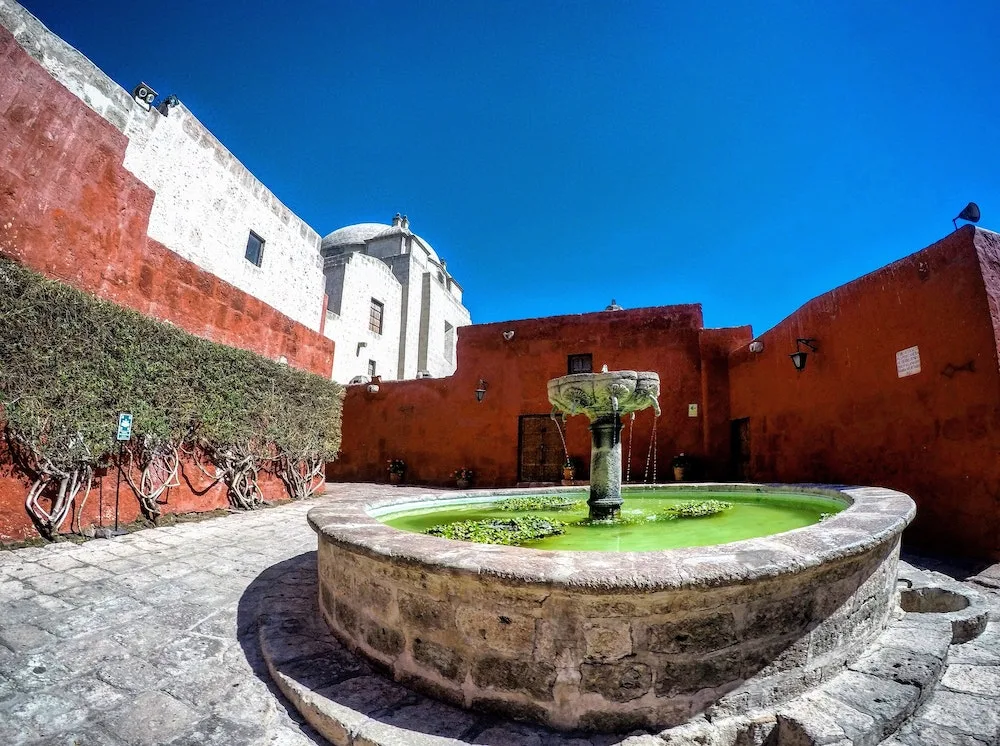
x=748 y=156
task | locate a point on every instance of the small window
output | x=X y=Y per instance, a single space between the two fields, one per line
x=371 y=368
x=449 y=342
x=580 y=363
x=255 y=249
x=375 y=318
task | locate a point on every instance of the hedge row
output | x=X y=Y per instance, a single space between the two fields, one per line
x=70 y=363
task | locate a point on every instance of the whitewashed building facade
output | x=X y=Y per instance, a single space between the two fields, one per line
x=394 y=309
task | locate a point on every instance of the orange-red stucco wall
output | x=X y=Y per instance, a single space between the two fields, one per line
x=69 y=210
x=436 y=425
x=849 y=418
x=196 y=493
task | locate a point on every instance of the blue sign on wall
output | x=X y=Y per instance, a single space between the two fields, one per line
x=125 y=426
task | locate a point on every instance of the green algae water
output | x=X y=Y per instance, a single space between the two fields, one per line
x=753 y=514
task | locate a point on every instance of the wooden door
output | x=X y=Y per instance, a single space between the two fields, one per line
x=739 y=439
x=540 y=450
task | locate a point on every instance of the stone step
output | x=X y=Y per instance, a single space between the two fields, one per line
x=964 y=708
x=872 y=701
x=875 y=700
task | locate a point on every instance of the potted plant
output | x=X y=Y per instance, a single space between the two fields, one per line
x=396 y=468
x=569 y=470
x=463 y=477
x=681 y=464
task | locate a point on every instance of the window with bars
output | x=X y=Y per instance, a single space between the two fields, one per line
x=375 y=317
x=580 y=363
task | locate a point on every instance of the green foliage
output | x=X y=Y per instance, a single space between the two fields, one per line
x=71 y=363
x=507 y=531
x=538 y=502
x=690 y=509
x=696 y=509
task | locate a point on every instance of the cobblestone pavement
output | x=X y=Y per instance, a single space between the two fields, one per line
x=150 y=638
x=147 y=638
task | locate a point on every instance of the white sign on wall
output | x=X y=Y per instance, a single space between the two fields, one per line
x=692 y=410
x=908 y=362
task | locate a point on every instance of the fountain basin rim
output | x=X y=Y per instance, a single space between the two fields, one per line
x=873 y=514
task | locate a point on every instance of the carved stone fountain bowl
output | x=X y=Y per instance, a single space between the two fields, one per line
x=594 y=394
x=611 y=641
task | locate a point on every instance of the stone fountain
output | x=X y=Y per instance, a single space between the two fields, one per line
x=611 y=642
x=604 y=397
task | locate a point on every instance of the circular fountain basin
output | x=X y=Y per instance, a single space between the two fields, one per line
x=612 y=641
x=751 y=516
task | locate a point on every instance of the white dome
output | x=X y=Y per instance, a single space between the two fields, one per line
x=354 y=235
x=357 y=234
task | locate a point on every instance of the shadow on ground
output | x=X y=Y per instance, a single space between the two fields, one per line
x=280 y=612
x=298 y=572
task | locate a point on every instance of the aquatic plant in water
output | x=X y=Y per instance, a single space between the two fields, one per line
x=507 y=531
x=689 y=509
x=538 y=502
x=697 y=508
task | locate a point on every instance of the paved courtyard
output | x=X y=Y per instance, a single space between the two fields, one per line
x=150 y=638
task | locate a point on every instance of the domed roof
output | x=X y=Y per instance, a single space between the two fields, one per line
x=359 y=233
x=352 y=235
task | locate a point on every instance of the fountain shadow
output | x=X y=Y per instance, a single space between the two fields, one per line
x=346 y=700
x=248 y=627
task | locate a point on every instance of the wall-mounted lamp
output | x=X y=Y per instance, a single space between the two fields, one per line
x=481 y=390
x=798 y=357
x=361 y=346
x=756 y=346
x=167 y=104
x=508 y=335
x=372 y=388
x=144 y=95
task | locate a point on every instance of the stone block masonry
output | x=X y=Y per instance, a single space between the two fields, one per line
x=611 y=642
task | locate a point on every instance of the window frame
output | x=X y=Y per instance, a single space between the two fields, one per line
x=380 y=323
x=584 y=356
x=260 y=249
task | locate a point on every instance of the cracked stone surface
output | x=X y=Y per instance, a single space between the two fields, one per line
x=153 y=638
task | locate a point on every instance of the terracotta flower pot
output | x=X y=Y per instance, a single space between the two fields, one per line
x=679 y=473
x=461 y=483
x=395 y=478
x=569 y=473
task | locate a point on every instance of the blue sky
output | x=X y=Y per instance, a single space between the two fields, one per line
x=745 y=155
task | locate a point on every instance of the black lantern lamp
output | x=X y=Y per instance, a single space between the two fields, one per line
x=798 y=357
x=481 y=390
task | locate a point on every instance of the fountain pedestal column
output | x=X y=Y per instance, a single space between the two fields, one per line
x=605 y=467
x=604 y=397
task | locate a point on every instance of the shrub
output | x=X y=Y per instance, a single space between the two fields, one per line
x=72 y=363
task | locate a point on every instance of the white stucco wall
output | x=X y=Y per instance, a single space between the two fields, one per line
x=440 y=306
x=363 y=278
x=206 y=201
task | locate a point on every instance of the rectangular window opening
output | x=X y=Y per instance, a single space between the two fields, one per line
x=580 y=363
x=375 y=317
x=371 y=369
x=449 y=342
x=255 y=249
